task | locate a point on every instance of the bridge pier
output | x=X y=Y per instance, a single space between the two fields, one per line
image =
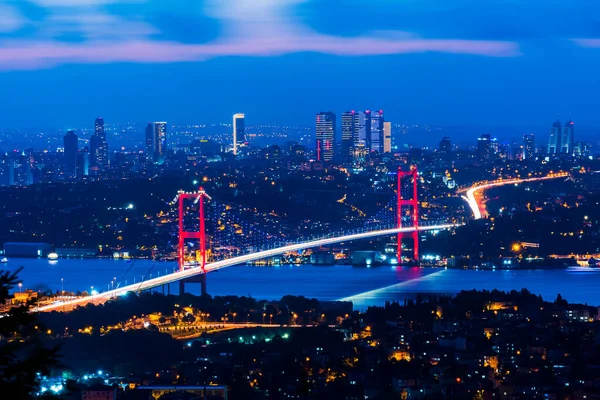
x=201 y=279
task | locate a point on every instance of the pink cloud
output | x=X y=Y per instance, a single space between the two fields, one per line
x=17 y=55
x=251 y=28
x=587 y=42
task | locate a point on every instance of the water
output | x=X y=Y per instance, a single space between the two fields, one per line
x=363 y=286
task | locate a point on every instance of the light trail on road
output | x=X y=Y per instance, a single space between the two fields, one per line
x=188 y=273
x=475 y=205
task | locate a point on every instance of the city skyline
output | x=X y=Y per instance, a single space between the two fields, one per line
x=262 y=49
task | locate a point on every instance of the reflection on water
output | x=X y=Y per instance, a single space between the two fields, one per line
x=361 y=285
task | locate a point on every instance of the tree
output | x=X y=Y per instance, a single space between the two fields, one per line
x=23 y=356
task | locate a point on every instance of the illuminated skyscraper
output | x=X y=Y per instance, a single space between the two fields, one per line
x=376 y=135
x=160 y=142
x=528 y=146
x=98 y=147
x=239 y=136
x=362 y=129
x=6 y=171
x=70 y=155
x=149 y=141
x=554 y=143
x=568 y=138
x=325 y=135
x=348 y=122
x=484 y=147
x=387 y=137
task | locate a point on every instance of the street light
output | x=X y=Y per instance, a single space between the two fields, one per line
x=270 y=319
x=20 y=286
x=62 y=286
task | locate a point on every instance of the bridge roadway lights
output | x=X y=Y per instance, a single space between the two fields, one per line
x=201 y=279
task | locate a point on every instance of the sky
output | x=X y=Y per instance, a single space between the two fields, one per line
x=460 y=62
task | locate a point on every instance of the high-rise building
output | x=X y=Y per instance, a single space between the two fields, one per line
x=484 y=147
x=348 y=123
x=22 y=170
x=445 y=145
x=98 y=147
x=239 y=136
x=554 y=143
x=362 y=129
x=376 y=136
x=82 y=163
x=568 y=138
x=149 y=141
x=6 y=171
x=528 y=146
x=325 y=135
x=160 y=142
x=387 y=137
x=70 y=154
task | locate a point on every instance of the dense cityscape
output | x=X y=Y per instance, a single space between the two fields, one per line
x=522 y=205
x=299 y=199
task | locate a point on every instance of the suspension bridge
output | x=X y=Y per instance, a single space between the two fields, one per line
x=245 y=242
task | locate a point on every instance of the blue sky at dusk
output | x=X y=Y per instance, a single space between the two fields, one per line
x=471 y=62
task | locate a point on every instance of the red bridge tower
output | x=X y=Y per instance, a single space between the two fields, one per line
x=414 y=210
x=200 y=235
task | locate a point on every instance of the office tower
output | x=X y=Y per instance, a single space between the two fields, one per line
x=376 y=137
x=70 y=153
x=239 y=136
x=149 y=141
x=82 y=163
x=484 y=147
x=362 y=129
x=387 y=137
x=445 y=145
x=582 y=149
x=22 y=170
x=6 y=171
x=98 y=147
x=568 y=138
x=348 y=123
x=494 y=148
x=160 y=141
x=554 y=143
x=528 y=146
x=325 y=134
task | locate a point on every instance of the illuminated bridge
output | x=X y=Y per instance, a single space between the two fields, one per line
x=398 y=217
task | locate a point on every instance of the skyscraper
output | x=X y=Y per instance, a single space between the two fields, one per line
x=6 y=171
x=362 y=129
x=348 y=122
x=484 y=147
x=387 y=137
x=445 y=145
x=160 y=141
x=98 y=147
x=239 y=136
x=70 y=154
x=554 y=143
x=568 y=138
x=528 y=146
x=376 y=136
x=325 y=135
x=149 y=143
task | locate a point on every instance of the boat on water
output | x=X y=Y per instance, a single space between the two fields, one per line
x=52 y=256
x=3 y=260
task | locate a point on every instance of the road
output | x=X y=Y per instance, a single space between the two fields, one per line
x=188 y=273
x=474 y=195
